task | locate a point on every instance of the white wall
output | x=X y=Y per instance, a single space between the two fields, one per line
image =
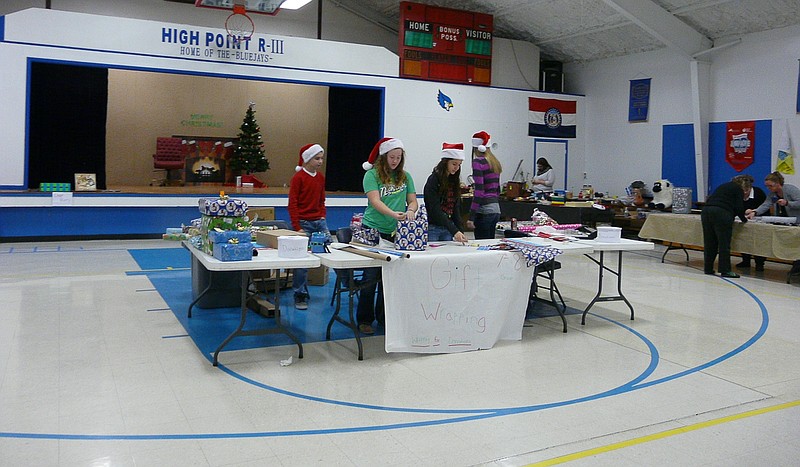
x=412 y=112
x=338 y=24
x=756 y=79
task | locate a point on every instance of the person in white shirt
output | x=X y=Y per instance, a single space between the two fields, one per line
x=545 y=177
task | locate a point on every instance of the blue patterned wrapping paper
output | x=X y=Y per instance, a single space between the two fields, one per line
x=233 y=251
x=225 y=236
x=534 y=255
x=361 y=234
x=229 y=207
x=412 y=235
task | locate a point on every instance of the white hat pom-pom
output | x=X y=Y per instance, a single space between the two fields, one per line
x=366 y=165
x=481 y=148
x=297 y=168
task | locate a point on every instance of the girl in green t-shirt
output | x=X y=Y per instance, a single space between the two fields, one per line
x=392 y=197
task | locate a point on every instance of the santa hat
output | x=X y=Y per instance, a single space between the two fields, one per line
x=382 y=147
x=453 y=151
x=307 y=152
x=480 y=140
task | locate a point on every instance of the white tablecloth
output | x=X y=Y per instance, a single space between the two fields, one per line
x=454 y=299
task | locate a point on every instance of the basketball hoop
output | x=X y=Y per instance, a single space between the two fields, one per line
x=239 y=26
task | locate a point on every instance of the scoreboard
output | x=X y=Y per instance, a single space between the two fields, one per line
x=442 y=44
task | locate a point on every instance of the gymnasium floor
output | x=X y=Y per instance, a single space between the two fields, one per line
x=99 y=367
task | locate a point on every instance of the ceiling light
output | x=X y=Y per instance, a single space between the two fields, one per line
x=294 y=4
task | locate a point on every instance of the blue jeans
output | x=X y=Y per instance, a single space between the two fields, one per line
x=437 y=233
x=300 y=276
x=485 y=225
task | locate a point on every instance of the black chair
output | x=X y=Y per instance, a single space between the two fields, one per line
x=545 y=271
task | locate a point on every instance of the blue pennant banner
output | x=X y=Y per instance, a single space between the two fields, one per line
x=639 y=102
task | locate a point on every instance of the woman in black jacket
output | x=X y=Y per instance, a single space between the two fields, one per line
x=722 y=206
x=443 y=196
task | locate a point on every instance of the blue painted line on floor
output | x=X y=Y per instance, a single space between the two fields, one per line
x=747 y=344
x=634 y=384
x=175 y=336
x=155 y=310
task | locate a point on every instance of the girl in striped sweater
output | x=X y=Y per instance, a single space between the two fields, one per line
x=486 y=169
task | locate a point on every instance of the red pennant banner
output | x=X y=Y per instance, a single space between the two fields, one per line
x=740 y=143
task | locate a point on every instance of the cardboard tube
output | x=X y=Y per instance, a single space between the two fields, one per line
x=368 y=254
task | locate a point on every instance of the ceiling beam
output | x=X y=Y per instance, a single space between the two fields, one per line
x=662 y=25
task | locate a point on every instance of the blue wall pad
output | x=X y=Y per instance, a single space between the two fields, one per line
x=720 y=171
x=677 y=156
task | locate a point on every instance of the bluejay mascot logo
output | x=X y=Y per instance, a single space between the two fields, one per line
x=444 y=101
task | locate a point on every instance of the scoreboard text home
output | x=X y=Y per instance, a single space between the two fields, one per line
x=442 y=44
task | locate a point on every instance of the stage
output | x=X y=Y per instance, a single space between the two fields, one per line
x=138 y=211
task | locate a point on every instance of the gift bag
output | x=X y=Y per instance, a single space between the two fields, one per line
x=412 y=234
x=361 y=234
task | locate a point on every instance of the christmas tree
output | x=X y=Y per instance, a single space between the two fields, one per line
x=249 y=154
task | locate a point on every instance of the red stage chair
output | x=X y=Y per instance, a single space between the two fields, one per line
x=170 y=155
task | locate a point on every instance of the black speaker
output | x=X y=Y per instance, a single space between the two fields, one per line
x=547 y=65
x=552 y=79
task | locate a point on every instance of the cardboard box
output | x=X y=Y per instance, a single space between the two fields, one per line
x=269 y=238
x=264 y=214
x=318 y=276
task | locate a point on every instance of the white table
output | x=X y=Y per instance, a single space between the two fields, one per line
x=624 y=244
x=267 y=259
x=343 y=262
x=455 y=298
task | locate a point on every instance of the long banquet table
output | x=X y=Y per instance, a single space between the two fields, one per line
x=755 y=238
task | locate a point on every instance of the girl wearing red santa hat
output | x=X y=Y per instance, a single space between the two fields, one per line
x=307 y=209
x=443 y=196
x=391 y=197
x=486 y=169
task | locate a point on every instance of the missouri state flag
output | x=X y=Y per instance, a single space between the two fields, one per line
x=552 y=118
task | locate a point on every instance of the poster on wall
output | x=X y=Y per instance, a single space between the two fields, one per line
x=740 y=144
x=443 y=44
x=639 y=100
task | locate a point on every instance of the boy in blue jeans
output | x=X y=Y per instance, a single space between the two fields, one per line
x=307 y=209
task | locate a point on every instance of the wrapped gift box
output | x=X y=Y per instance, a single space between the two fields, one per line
x=225 y=236
x=412 y=235
x=233 y=251
x=228 y=207
x=212 y=223
x=175 y=236
x=55 y=187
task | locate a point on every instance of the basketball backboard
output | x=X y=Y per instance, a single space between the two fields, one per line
x=265 y=7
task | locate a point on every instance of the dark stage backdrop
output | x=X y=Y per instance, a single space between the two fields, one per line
x=67 y=127
x=355 y=124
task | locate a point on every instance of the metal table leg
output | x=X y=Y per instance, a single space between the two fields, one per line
x=598 y=297
x=278 y=329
